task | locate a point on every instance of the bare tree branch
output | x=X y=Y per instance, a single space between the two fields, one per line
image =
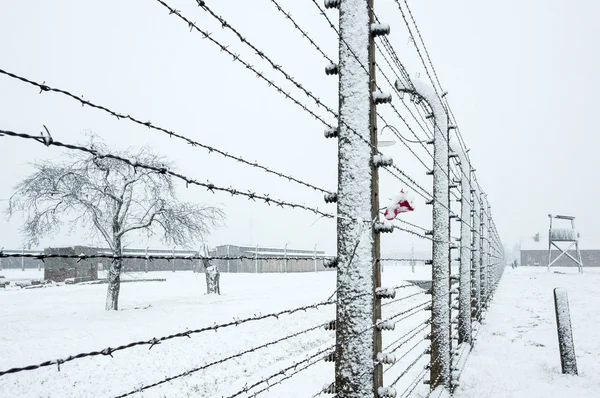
x=112 y=198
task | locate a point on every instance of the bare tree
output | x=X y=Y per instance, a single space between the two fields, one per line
x=112 y=199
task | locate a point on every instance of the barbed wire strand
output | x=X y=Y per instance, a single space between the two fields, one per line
x=319 y=355
x=48 y=141
x=326 y=350
x=156 y=341
x=192 y=26
x=220 y=361
x=408 y=391
x=409 y=367
x=260 y=53
x=236 y=57
x=458 y=133
x=413 y=332
x=401 y=299
x=404 y=355
x=82 y=257
x=304 y=34
x=46 y=88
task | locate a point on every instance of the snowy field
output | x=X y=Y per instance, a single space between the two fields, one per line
x=55 y=322
x=516 y=354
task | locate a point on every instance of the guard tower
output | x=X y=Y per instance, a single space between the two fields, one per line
x=562 y=236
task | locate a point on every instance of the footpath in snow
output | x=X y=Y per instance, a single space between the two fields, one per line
x=516 y=354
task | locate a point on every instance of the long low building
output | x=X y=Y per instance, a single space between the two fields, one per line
x=260 y=259
x=536 y=253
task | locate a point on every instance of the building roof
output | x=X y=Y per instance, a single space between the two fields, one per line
x=527 y=243
x=289 y=253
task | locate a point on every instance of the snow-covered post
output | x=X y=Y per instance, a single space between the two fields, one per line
x=482 y=255
x=355 y=338
x=440 y=320
x=464 y=294
x=475 y=259
x=568 y=360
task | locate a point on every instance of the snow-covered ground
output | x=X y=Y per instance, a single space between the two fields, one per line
x=516 y=354
x=54 y=322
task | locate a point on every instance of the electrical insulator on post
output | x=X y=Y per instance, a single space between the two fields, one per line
x=381 y=97
x=332 y=132
x=380 y=29
x=332 y=3
x=329 y=388
x=386 y=358
x=382 y=160
x=331 y=262
x=386 y=392
x=385 y=292
x=382 y=228
x=330 y=197
x=330 y=325
x=332 y=69
x=385 y=325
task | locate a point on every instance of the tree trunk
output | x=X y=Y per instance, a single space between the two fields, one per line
x=114 y=278
x=212 y=280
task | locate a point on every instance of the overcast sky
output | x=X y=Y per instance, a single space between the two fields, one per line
x=521 y=76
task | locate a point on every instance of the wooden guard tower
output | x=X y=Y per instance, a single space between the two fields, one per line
x=562 y=236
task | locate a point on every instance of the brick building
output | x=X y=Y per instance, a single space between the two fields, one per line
x=59 y=269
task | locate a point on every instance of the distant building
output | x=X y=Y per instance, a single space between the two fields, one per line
x=536 y=254
x=257 y=259
x=141 y=264
x=21 y=262
x=59 y=269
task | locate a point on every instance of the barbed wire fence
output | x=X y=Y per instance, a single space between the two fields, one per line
x=396 y=343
